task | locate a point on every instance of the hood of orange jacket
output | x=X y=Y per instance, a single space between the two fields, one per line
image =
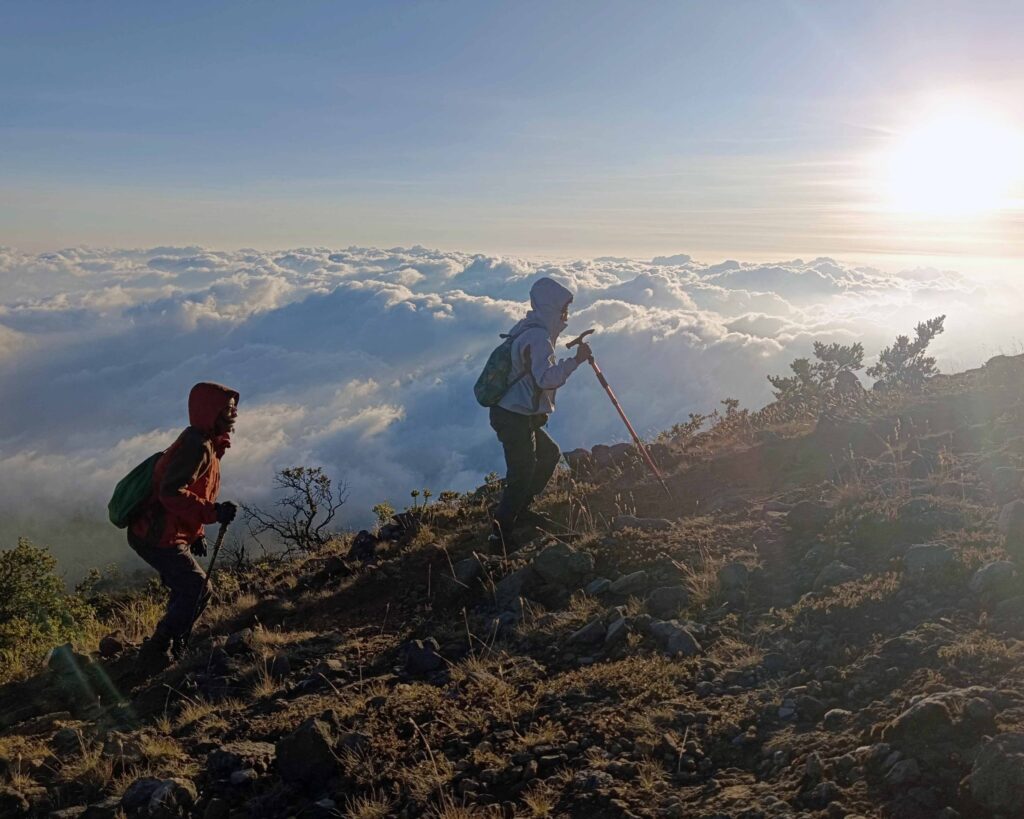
x=206 y=402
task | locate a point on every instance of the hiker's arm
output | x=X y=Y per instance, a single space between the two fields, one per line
x=547 y=374
x=190 y=461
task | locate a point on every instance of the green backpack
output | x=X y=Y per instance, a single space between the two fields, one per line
x=493 y=383
x=132 y=491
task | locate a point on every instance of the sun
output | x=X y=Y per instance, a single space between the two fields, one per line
x=958 y=160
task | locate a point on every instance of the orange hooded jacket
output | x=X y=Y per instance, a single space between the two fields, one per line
x=186 y=479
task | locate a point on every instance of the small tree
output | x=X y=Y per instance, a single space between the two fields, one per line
x=384 y=512
x=301 y=519
x=812 y=380
x=36 y=612
x=904 y=364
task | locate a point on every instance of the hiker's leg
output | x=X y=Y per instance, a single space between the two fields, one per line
x=516 y=436
x=548 y=454
x=185 y=577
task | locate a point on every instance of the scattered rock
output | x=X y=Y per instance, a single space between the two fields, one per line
x=674 y=638
x=834 y=574
x=808 y=517
x=997 y=778
x=364 y=546
x=666 y=601
x=1011 y=525
x=279 y=666
x=903 y=773
x=513 y=586
x=113 y=644
x=172 y=798
x=423 y=657
x=629 y=584
x=109 y=808
x=927 y=557
x=598 y=586
x=137 y=795
x=617 y=633
x=733 y=575
x=307 y=754
x=996 y=578
x=468 y=571
x=241 y=642
x=620 y=522
x=13 y=803
x=560 y=565
x=592 y=633
x=836 y=719
x=235 y=756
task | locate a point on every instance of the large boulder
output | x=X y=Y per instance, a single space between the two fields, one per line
x=562 y=566
x=997 y=778
x=306 y=755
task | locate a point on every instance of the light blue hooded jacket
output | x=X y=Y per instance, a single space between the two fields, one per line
x=534 y=349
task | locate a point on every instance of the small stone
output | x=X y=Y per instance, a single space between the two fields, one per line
x=561 y=565
x=423 y=657
x=241 y=642
x=807 y=517
x=590 y=634
x=835 y=574
x=618 y=631
x=246 y=776
x=598 y=586
x=467 y=571
x=629 y=584
x=138 y=794
x=997 y=777
x=620 y=522
x=666 y=601
x=113 y=644
x=836 y=719
x=927 y=557
x=172 y=798
x=903 y=773
x=307 y=754
x=733 y=575
x=996 y=577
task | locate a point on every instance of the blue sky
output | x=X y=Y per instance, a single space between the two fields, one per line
x=529 y=127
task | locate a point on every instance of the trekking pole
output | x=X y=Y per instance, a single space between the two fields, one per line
x=206 y=585
x=615 y=402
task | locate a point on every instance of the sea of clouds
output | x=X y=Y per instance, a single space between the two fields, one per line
x=362 y=360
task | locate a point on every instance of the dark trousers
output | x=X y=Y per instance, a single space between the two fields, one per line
x=530 y=459
x=183 y=576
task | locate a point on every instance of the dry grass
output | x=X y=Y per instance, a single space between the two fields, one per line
x=372 y=805
x=212 y=715
x=540 y=800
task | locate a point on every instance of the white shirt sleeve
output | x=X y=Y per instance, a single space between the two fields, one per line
x=547 y=373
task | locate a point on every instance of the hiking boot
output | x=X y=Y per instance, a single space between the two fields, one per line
x=154 y=656
x=499 y=541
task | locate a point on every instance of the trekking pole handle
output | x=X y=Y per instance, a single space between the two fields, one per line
x=579 y=338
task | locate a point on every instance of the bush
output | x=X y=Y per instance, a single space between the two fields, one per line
x=904 y=364
x=812 y=380
x=303 y=516
x=36 y=612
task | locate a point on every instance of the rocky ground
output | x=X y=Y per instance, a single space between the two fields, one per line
x=822 y=620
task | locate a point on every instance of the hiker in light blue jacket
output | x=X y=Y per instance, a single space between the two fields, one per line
x=519 y=418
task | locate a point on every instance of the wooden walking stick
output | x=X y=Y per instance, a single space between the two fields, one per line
x=615 y=402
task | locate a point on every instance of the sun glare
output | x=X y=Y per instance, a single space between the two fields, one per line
x=958 y=161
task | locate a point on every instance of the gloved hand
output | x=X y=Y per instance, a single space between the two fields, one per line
x=583 y=352
x=225 y=512
x=198 y=547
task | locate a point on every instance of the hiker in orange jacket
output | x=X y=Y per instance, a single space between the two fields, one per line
x=168 y=531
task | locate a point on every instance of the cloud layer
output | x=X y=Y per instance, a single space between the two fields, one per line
x=363 y=360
